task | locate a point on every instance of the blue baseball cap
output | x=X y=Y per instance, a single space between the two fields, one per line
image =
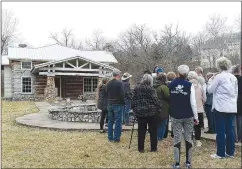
x=159 y=70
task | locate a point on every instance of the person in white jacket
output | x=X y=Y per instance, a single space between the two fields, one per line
x=224 y=87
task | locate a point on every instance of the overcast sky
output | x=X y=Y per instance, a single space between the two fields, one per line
x=38 y=19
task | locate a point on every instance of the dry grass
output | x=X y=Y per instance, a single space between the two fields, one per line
x=24 y=147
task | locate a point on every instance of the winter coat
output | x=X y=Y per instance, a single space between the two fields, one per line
x=200 y=95
x=102 y=98
x=239 y=104
x=127 y=91
x=145 y=102
x=164 y=96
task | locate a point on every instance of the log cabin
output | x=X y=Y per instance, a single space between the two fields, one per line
x=53 y=71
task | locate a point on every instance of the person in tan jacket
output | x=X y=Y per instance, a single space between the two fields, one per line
x=200 y=100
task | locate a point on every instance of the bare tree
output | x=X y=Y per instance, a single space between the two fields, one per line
x=238 y=23
x=216 y=30
x=216 y=26
x=140 y=49
x=67 y=39
x=9 y=28
x=197 y=42
x=97 y=41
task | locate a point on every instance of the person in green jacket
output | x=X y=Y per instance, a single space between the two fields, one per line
x=164 y=95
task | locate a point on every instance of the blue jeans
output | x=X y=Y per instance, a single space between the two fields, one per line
x=225 y=138
x=211 y=117
x=162 y=129
x=126 y=110
x=239 y=127
x=115 y=117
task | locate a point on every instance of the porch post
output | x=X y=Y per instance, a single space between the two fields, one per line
x=50 y=90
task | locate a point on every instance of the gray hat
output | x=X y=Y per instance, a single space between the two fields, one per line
x=116 y=72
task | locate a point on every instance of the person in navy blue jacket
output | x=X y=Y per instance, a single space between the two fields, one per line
x=183 y=111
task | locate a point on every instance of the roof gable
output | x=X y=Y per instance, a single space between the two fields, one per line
x=72 y=58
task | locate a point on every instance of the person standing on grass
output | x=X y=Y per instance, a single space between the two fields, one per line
x=201 y=79
x=224 y=87
x=164 y=96
x=127 y=98
x=208 y=109
x=115 y=93
x=170 y=77
x=237 y=73
x=183 y=111
x=146 y=106
x=102 y=101
x=200 y=100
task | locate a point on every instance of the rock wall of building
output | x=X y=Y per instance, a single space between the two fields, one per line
x=17 y=74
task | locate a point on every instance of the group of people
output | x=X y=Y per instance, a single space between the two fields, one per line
x=182 y=98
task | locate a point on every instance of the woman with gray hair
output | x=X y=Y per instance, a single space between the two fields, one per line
x=146 y=106
x=200 y=100
x=183 y=111
x=224 y=87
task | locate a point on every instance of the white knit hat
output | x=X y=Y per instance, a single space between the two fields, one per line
x=183 y=69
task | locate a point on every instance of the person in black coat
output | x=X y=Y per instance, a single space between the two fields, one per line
x=146 y=106
x=237 y=72
x=102 y=102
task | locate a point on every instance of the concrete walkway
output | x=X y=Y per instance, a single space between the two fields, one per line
x=42 y=120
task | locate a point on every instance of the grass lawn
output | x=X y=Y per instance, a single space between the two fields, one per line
x=25 y=147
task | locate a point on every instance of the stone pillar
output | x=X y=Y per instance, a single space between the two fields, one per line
x=50 y=90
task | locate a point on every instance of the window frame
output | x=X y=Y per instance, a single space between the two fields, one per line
x=26 y=68
x=22 y=85
x=92 y=89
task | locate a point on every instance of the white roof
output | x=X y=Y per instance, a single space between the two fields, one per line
x=4 y=60
x=58 y=52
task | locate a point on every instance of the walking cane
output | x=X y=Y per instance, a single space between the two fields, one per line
x=132 y=133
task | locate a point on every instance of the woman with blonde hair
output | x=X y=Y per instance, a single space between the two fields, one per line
x=102 y=101
x=224 y=87
x=170 y=77
x=200 y=100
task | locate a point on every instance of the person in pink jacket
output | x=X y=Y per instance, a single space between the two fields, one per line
x=200 y=100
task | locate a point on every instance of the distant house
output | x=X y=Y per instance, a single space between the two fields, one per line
x=53 y=71
x=228 y=46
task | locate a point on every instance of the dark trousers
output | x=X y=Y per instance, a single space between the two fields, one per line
x=210 y=117
x=225 y=138
x=198 y=127
x=142 y=128
x=167 y=128
x=104 y=115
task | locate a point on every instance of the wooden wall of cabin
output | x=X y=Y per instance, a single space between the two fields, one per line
x=39 y=85
x=71 y=86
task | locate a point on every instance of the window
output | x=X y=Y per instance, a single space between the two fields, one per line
x=26 y=85
x=26 y=65
x=90 y=84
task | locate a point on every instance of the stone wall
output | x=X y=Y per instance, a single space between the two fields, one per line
x=50 y=92
x=89 y=117
x=17 y=74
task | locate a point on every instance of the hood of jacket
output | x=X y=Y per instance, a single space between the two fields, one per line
x=157 y=83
